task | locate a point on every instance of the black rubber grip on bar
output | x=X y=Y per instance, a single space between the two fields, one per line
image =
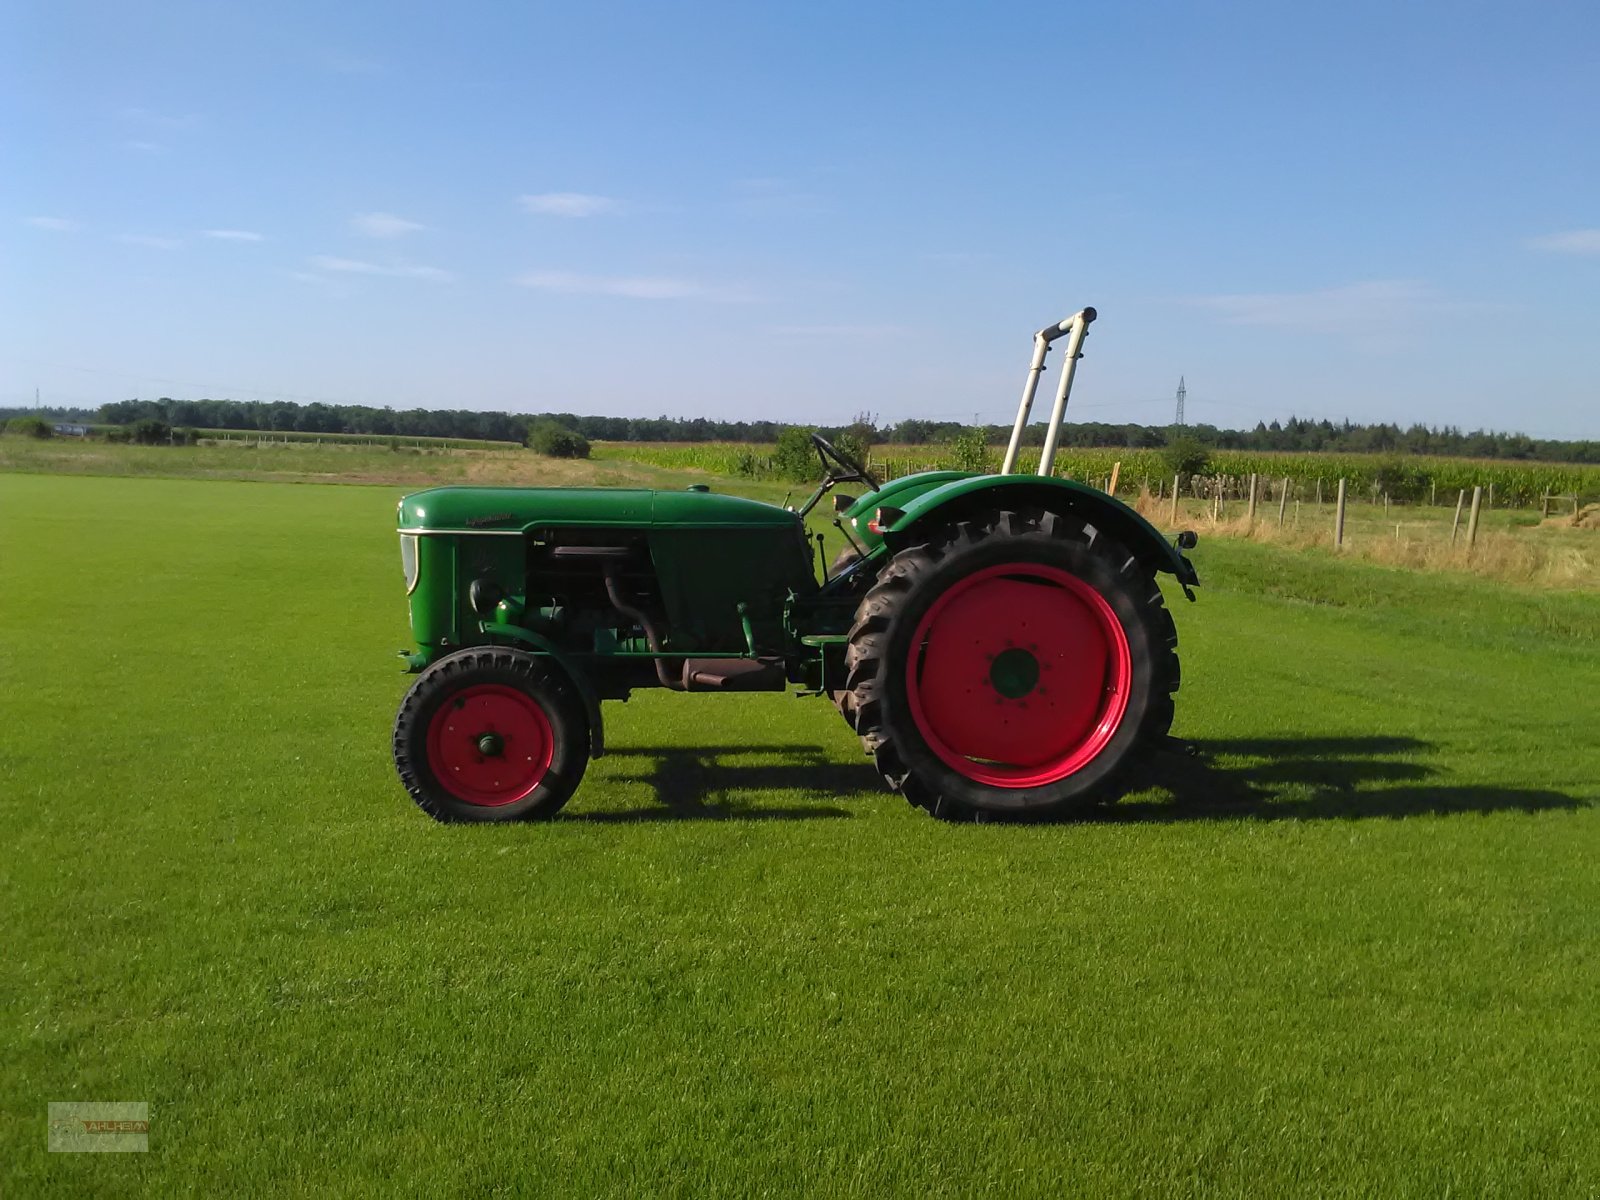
x=1051 y=332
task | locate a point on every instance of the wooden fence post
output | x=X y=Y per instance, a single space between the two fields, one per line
x=1338 y=519
x=1491 y=500
x=1174 y=519
x=1319 y=491
x=1283 y=500
x=1253 y=484
x=1472 y=520
x=1544 y=506
x=1116 y=470
x=1461 y=498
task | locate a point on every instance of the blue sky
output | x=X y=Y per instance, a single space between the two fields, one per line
x=1372 y=211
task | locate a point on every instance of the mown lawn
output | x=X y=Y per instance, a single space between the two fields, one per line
x=1348 y=951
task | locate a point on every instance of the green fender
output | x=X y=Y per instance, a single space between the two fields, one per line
x=942 y=496
x=545 y=647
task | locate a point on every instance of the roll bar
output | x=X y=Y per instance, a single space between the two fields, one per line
x=1075 y=328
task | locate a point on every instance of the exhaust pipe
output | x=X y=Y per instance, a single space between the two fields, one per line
x=651 y=636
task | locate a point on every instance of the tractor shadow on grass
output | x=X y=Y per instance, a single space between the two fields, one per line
x=699 y=783
x=1331 y=778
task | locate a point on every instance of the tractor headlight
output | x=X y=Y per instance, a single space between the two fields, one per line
x=408 y=560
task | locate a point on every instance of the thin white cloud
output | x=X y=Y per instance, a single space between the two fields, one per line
x=153 y=243
x=770 y=195
x=1573 y=241
x=143 y=147
x=567 y=204
x=233 y=235
x=354 y=266
x=1371 y=306
x=348 y=64
x=871 y=333
x=54 y=224
x=150 y=119
x=329 y=283
x=383 y=225
x=632 y=287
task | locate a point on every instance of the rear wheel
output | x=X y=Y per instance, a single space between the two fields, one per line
x=1013 y=667
x=491 y=735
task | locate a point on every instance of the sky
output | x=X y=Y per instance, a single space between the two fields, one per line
x=804 y=212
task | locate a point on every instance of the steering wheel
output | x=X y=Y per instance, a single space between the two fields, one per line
x=853 y=470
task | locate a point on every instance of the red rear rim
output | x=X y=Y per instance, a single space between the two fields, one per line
x=1019 y=675
x=490 y=745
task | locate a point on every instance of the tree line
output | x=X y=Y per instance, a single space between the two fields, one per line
x=1295 y=434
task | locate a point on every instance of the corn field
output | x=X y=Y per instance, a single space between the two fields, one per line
x=1400 y=478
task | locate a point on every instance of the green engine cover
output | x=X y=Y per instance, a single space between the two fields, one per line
x=710 y=553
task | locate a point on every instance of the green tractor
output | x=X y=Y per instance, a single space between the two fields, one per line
x=998 y=642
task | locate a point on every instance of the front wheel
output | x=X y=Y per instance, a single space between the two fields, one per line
x=842 y=698
x=1014 y=667
x=491 y=735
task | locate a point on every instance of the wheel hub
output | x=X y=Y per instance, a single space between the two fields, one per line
x=1014 y=672
x=490 y=744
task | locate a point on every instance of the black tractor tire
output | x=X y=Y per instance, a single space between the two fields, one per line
x=842 y=698
x=491 y=734
x=1043 y=546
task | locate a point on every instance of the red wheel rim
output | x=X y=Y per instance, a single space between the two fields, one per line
x=1019 y=675
x=490 y=745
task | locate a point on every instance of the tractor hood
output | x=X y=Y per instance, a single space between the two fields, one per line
x=513 y=510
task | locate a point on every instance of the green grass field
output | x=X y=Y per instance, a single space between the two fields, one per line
x=1348 y=951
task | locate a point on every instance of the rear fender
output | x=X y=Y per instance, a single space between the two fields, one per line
x=955 y=499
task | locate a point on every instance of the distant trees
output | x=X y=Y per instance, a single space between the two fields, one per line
x=33 y=427
x=557 y=441
x=1185 y=456
x=795 y=458
x=148 y=431
x=318 y=417
x=1295 y=434
x=914 y=432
